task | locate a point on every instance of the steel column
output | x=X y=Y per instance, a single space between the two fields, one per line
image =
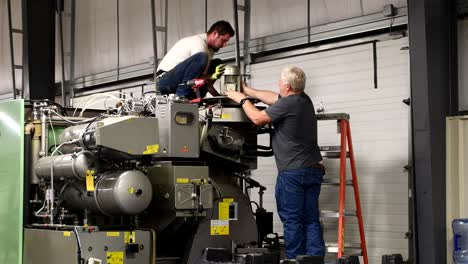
x=39 y=49
x=433 y=67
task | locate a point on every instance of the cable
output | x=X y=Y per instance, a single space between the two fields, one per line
x=70 y=121
x=78 y=250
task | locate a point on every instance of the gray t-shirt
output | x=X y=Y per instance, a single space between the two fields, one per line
x=295 y=132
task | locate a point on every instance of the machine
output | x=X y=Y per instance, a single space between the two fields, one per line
x=151 y=179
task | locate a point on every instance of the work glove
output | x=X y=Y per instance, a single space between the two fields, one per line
x=219 y=71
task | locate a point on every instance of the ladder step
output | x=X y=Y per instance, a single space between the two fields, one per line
x=160 y=29
x=241 y=8
x=335 y=181
x=17 y=31
x=333 y=247
x=335 y=214
x=335 y=116
x=18 y=67
x=332 y=154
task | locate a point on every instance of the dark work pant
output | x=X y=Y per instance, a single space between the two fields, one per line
x=174 y=80
x=297 y=195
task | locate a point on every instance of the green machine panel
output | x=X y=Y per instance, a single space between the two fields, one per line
x=11 y=177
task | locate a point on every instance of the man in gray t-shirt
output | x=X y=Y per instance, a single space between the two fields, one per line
x=297 y=156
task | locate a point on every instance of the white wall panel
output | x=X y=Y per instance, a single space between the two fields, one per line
x=374 y=6
x=5 y=56
x=136 y=39
x=342 y=80
x=96 y=36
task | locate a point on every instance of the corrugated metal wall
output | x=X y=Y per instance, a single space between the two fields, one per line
x=343 y=81
x=96 y=27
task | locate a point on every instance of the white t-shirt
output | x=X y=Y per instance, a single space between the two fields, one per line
x=183 y=49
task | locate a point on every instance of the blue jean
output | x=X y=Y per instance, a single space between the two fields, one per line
x=297 y=198
x=174 y=80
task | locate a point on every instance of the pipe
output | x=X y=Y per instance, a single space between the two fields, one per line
x=236 y=28
x=44 y=135
x=28 y=130
x=153 y=246
x=62 y=56
x=155 y=43
x=12 y=54
x=35 y=149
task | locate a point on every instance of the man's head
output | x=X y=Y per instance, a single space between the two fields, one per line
x=292 y=81
x=219 y=34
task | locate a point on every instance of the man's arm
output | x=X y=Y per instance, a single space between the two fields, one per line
x=267 y=97
x=258 y=117
x=211 y=89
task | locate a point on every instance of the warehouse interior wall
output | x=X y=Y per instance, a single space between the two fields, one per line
x=99 y=26
x=342 y=81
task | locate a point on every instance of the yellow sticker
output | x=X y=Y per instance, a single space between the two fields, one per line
x=223 y=211
x=226 y=116
x=219 y=227
x=130 y=237
x=66 y=233
x=182 y=180
x=151 y=149
x=116 y=257
x=228 y=200
x=113 y=234
x=90 y=180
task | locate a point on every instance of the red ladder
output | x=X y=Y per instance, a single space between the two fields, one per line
x=341 y=153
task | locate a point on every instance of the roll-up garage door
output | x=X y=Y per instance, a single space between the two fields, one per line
x=343 y=80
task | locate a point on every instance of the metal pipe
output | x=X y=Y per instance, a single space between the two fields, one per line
x=72 y=53
x=308 y=21
x=206 y=15
x=118 y=40
x=12 y=55
x=236 y=28
x=62 y=56
x=246 y=35
x=44 y=135
x=166 y=19
x=155 y=42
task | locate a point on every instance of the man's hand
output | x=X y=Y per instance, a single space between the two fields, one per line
x=219 y=71
x=236 y=96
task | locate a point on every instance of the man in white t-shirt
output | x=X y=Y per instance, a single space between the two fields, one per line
x=192 y=57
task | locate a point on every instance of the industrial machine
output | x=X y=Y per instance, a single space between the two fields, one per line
x=151 y=179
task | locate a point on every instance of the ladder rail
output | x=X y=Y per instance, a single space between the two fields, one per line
x=346 y=151
x=356 y=193
x=341 y=219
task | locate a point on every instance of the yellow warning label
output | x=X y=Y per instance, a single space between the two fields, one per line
x=129 y=237
x=113 y=234
x=223 y=210
x=90 y=180
x=66 y=233
x=219 y=227
x=228 y=200
x=226 y=116
x=151 y=149
x=116 y=257
x=182 y=180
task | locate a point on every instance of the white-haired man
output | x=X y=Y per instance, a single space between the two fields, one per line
x=297 y=155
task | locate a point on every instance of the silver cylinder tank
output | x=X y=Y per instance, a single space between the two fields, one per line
x=74 y=133
x=67 y=166
x=116 y=193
